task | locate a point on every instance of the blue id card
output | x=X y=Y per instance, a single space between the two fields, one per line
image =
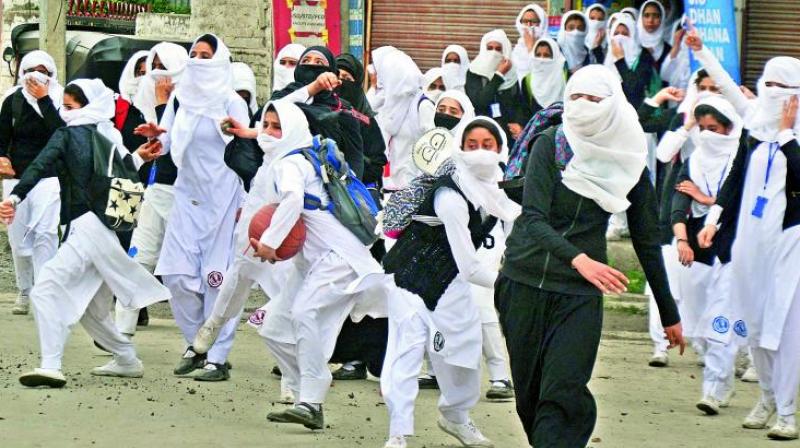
x=494 y=108
x=761 y=204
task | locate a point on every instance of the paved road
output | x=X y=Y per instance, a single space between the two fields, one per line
x=638 y=406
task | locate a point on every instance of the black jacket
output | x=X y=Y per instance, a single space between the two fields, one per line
x=23 y=137
x=70 y=151
x=730 y=198
x=557 y=225
x=166 y=171
x=636 y=82
x=485 y=92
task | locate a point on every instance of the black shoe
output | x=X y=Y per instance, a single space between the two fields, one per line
x=144 y=318
x=500 y=390
x=305 y=414
x=428 y=382
x=189 y=362
x=277 y=371
x=355 y=372
x=213 y=372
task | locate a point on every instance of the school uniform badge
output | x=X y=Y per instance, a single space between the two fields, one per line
x=438 y=341
x=740 y=328
x=214 y=279
x=721 y=325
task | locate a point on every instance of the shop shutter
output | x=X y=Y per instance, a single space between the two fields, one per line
x=423 y=28
x=772 y=28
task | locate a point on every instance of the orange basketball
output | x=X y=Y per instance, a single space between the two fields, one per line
x=294 y=240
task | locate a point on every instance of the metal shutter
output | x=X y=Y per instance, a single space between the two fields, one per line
x=423 y=28
x=771 y=29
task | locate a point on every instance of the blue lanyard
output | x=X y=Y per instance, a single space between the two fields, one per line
x=721 y=179
x=152 y=177
x=771 y=159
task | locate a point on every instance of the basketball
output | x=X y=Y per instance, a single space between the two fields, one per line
x=294 y=240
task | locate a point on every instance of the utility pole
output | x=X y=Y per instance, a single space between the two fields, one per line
x=53 y=33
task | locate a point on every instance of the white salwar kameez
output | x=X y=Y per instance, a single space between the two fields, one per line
x=333 y=263
x=451 y=334
x=33 y=236
x=198 y=242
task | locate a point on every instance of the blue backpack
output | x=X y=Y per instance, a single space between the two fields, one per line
x=350 y=201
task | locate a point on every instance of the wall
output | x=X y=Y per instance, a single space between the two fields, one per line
x=164 y=26
x=246 y=28
x=15 y=12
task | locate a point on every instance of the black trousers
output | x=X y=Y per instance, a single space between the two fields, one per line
x=552 y=342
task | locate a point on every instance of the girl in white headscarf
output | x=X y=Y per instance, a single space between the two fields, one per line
x=545 y=84
x=651 y=30
x=758 y=212
x=439 y=316
x=199 y=235
x=285 y=63
x=164 y=66
x=597 y=18
x=244 y=83
x=572 y=40
x=453 y=111
x=531 y=25
x=432 y=87
x=702 y=281
x=635 y=66
x=455 y=63
x=493 y=87
x=555 y=260
x=132 y=74
x=396 y=103
x=28 y=118
x=676 y=69
x=91 y=266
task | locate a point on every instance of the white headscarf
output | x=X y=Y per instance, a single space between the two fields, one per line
x=174 y=57
x=538 y=31
x=486 y=63
x=712 y=160
x=630 y=11
x=204 y=91
x=455 y=75
x=654 y=40
x=99 y=111
x=763 y=120
x=283 y=76
x=681 y=71
x=427 y=79
x=294 y=129
x=593 y=27
x=466 y=107
x=573 y=43
x=245 y=79
x=478 y=173
x=399 y=91
x=54 y=89
x=609 y=145
x=547 y=81
x=629 y=43
x=129 y=82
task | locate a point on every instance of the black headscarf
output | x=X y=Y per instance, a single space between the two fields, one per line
x=353 y=92
x=305 y=74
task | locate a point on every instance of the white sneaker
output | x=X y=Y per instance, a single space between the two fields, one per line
x=759 y=416
x=206 y=336
x=750 y=375
x=115 y=369
x=709 y=405
x=396 y=442
x=467 y=433
x=21 y=306
x=659 y=359
x=785 y=429
x=43 y=377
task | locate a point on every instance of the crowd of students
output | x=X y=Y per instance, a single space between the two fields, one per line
x=612 y=131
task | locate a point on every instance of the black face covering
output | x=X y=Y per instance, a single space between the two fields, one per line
x=306 y=74
x=349 y=91
x=445 y=121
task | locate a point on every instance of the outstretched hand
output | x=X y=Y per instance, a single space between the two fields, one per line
x=149 y=130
